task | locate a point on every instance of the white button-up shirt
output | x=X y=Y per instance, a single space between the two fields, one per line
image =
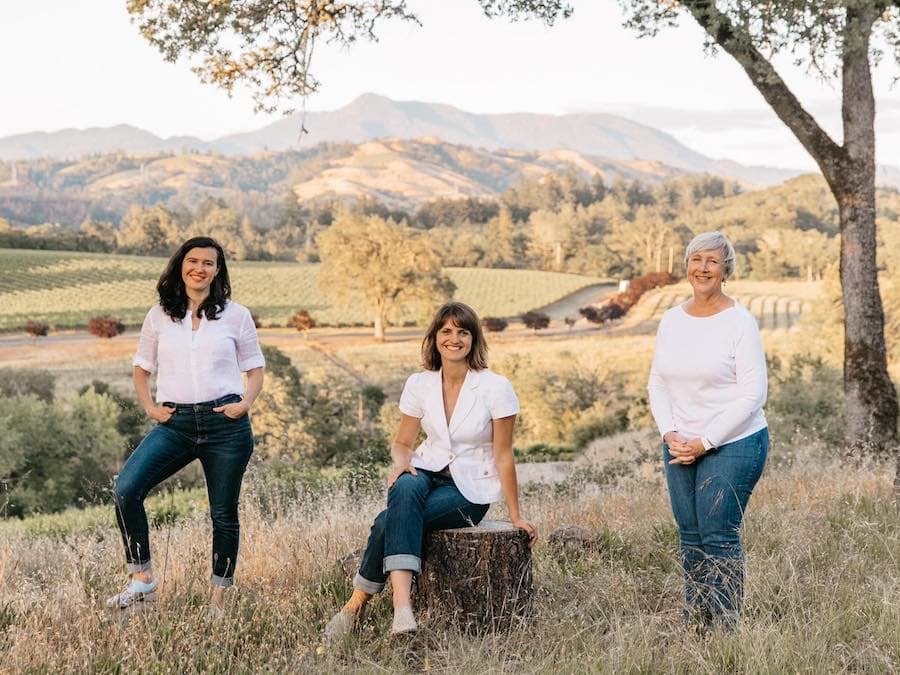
x=202 y=365
x=466 y=443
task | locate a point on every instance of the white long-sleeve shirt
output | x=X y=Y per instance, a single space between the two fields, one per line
x=708 y=378
x=201 y=365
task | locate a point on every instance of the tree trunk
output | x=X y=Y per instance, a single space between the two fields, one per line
x=476 y=578
x=379 y=321
x=871 y=400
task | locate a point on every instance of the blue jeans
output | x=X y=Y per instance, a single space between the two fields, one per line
x=416 y=504
x=222 y=445
x=709 y=498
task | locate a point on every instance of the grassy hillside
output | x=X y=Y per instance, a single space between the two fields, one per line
x=822 y=589
x=66 y=289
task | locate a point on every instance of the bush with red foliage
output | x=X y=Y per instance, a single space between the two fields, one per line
x=36 y=329
x=303 y=321
x=105 y=326
x=619 y=304
x=535 y=320
x=493 y=324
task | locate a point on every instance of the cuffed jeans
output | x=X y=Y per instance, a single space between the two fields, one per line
x=223 y=446
x=415 y=505
x=709 y=498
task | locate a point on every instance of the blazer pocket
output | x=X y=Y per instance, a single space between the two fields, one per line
x=487 y=472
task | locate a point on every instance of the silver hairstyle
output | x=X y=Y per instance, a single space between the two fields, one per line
x=712 y=241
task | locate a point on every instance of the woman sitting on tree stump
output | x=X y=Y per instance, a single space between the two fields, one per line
x=465 y=463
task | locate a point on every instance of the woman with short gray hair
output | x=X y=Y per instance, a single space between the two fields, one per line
x=707 y=389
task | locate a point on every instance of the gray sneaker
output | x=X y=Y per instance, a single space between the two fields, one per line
x=404 y=621
x=340 y=626
x=135 y=592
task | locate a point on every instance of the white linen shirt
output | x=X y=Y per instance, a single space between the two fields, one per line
x=708 y=378
x=194 y=367
x=466 y=443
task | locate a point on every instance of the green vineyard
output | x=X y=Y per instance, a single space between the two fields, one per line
x=776 y=305
x=65 y=289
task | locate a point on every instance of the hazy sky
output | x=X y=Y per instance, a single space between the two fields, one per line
x=81 y=64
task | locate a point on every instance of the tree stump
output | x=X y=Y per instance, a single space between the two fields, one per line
x=475 y=578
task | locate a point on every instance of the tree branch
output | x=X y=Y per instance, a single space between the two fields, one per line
x=827 y=153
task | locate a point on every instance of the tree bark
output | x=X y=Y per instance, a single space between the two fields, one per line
x=476 y=578
x=870 y=398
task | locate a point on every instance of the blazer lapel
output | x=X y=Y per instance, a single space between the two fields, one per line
x=465 y=402
x=434 y=406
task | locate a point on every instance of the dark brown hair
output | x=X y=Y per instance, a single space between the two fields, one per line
x=172 y=295
x=464 y=317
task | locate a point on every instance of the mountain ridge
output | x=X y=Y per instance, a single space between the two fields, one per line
x=371 y=116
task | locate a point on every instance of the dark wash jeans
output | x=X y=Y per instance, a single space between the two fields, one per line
x=415 y=505
x=222 y=445
x=709 y=498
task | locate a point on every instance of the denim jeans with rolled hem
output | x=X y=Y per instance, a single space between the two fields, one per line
x=415 y=505
x=709 y=499
x=222 y=445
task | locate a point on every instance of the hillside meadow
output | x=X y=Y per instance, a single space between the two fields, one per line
x=823 y=594
x=65 y=289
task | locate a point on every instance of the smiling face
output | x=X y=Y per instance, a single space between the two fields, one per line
x=199 y=268
x=453 y=342
x=706 y=271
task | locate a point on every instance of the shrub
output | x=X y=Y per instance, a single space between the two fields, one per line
x=256 y=321
x=25 y=382
x=570 y=321
x=302 y=321
x=493 y=324
x=36 y=329
x=535 y=320
x=105 y=326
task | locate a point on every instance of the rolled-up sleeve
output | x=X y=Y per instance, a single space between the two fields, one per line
x=503 y=401
x=249 y=353
x=145 y=357
x=411 y=398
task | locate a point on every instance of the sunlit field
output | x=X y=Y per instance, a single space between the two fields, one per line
x=66 y=289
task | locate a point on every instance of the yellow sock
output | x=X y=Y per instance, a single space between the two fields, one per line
x=357 y=601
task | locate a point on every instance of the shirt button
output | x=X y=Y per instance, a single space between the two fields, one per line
x=452 y=456
x=485 y=473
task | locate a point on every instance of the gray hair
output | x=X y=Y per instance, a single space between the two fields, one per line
x=712 y=241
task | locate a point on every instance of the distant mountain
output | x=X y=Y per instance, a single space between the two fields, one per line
x=400 y=173
x=75 y=143
x=371 y=117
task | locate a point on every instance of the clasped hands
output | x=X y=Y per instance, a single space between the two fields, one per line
x=683 y=451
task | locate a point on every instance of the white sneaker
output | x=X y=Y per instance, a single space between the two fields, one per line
x=404 y=621
x=135 y=592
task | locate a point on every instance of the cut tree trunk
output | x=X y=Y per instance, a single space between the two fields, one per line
x=476 y=578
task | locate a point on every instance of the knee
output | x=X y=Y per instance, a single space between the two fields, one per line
x=127 y=491
x=407 y=487
x=723 y=542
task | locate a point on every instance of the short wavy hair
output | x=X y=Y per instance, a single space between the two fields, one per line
x=712 y=241
x=464 y=317
x=172 y=294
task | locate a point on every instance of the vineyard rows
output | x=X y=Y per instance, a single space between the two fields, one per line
x=65 y=289
x=776 y=306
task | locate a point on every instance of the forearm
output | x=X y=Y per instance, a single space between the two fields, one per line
x=509 y=484
x=254 y=386
x=142 y=389
x=401 y=453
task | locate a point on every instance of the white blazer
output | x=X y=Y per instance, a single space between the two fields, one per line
x=466 y=444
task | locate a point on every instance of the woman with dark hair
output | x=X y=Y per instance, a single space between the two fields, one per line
x=198 y=342
x=450 y=480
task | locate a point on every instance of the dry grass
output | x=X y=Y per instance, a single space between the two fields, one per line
x=823 y=589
